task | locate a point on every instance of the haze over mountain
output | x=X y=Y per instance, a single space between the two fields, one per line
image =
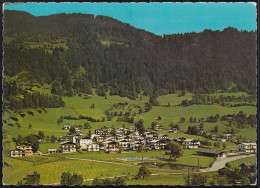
x=81 y=52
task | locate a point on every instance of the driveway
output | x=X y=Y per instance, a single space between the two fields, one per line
x=220 y=162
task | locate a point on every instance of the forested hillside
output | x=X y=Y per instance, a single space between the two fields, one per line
x=79 y=52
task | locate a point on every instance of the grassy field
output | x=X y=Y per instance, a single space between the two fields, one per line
x=51 y=168
x=189 y=157
x=47 y=122
x=159 y=180
x=240 y=161
x=45 y=146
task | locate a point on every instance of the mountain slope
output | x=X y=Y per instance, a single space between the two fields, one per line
x=82 y=51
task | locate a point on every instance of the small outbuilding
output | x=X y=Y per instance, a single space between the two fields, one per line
x=211 y=153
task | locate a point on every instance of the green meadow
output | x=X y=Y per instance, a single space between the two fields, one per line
x=237 y=163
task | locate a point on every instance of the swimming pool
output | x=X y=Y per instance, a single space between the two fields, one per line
x=137 y=158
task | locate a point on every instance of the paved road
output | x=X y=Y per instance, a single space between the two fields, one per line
x=220 y=162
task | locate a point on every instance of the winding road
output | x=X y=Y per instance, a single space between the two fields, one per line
x=220 y=162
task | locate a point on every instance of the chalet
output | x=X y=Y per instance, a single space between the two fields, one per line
x=155 y=144
x=247 y=147
x=24 y=149
x=68 y=138
x=98 y=138
x=157 y=128
x=179 y=140
x=66 y=127
x=132 y=129
x=163 y=143
x=213 y=136
x=75 y=137
x=80 y=134
x=111 y=146
x=77 y=130
x=84 y=141
x=98 y=131
x=200 y=131
x=119 y=132
x=51 y=151
x=150 y=135
x=109 y=130
x=162 y=136
x=221 y=139
x=92 y=147
x=68 y=147
x=124 y=144
x=174 y=130
x=230 y=137
x=135 y=145
x=128 y=138
x=191 y=143
x=211 y=153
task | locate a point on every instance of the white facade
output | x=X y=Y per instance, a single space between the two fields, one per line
x=83 y=142
x=247 y=147
x=191 y=144
x=92 y=147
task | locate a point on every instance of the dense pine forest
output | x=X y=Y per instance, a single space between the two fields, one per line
x=78 y=52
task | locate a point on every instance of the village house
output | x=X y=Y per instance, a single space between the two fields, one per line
x=97 y=137
x=24 y=149
x=83 y=142
x=200 y=131
x=68 y=147
x=179 y=140
x=162 y=136
x=135 y=145
x=247 y=147
x=132 y=129
x=98 y=131
x=221 y=140
x=68 y=138
x=124 y=144
x=109 y=130
x=150 y=135
x=66 y=127
x=211 y=153
x=51 y=151
x=111 y=146
x=123 y=130
x=75 y=137
x=191 y=143
x=174 y=130
x=230 y=137
x=154 y=144
x=212 y=136
x=157 y=128
x=92 y=147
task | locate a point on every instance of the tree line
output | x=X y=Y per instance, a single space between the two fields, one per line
x=134 y=61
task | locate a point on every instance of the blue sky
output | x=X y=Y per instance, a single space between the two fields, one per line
x=158 y=18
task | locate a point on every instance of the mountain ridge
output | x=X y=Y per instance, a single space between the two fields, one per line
x=125 y=59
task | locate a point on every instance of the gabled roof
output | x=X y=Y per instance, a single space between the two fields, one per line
x=63 y=143
x=210 y=151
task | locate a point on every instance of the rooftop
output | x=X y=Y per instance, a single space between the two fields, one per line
x=210 y=151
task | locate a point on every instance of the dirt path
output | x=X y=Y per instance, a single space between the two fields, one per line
x=220 y=162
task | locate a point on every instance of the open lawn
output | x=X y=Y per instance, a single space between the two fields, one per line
x=189 y=157
x=51 y=168
x=173 y=99
x=45 y=146
x=176 y=179
x=237 y=163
